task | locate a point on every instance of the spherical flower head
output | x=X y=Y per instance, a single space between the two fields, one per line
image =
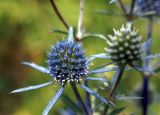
x=67 y=62
x=124 y=46
x=149 y=6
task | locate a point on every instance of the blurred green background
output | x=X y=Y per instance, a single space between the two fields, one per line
x=26 y=34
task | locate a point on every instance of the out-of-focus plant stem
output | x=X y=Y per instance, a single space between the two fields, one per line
x=122 y=6
x=145 y=85
x=130 y=16
x=132 y=7
x=149 y=38
x=88 y=100
x=79 y=99
x=145 y=91
x=79 y=35
x=79 y=38
x=114 y=88
x=58 y=14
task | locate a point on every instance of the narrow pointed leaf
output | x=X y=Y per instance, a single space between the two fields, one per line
x=112 y=1
x=149 y=70
x=101 y=55
x=139 y=68
x=103 y=65
x=53 y=101
x=31 y=87
x=95 y=35
x=146 y=14
x=109 y=12
x=70 y=35
x=145 y=44
x=95 y=79
x=153 y=56
x=121 y=97
x=37 y=67
x=115 y=76
x=102 y=70
x=102 y=99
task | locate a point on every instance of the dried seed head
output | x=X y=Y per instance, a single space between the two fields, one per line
x=124 y=46
x=67 y=62
x=148 y=6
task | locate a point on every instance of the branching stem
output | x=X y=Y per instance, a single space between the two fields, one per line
x=114 y=88
x=122 y=6
x=58 y=14
x=131 y=13
x=117 y=82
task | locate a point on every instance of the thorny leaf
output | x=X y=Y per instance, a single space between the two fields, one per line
x=102 y=70
x=37 y=67
x=122 y=97
x=95 y=35
x=96 y=79
x=101 y=55
x=53 y=101
x=102 y=99
x=31 y=87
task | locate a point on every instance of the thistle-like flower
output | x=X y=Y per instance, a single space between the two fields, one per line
x=67 y=63
x=149 y=6
x=124 y=46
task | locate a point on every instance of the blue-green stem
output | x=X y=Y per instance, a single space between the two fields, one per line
x=79 y=99
x=114 y=88
x=145 y=85
x=88 y=100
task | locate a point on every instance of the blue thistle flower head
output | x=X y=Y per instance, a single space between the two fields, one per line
x=149 y=6
x=67 y=62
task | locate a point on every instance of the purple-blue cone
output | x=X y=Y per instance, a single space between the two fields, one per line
x=67 y=62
